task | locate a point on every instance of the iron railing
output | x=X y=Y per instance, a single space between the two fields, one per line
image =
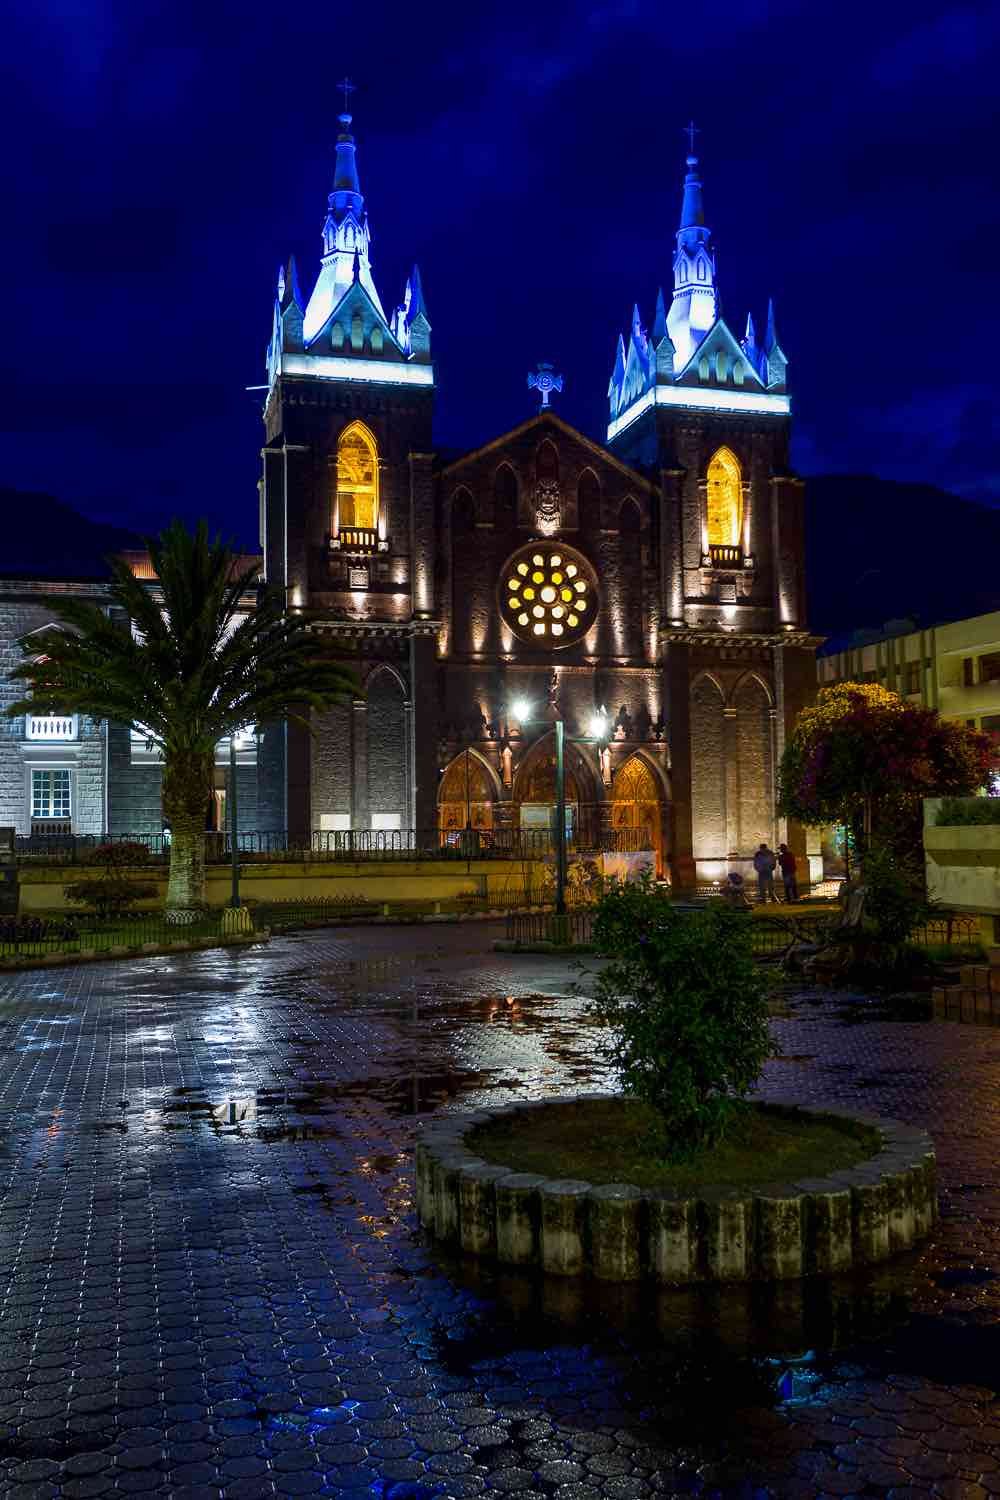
x=36 y=936
x=64 y=847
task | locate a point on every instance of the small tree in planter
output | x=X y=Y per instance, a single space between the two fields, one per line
x=116 y=891
x=687 y=1007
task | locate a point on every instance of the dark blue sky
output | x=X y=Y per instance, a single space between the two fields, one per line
x=161 y=159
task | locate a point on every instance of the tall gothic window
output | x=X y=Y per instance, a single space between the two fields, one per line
x=357 y=478
x=725 y=500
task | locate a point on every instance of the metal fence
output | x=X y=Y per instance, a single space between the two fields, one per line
x=769 y=936
x=36 y=936
x=349 y=845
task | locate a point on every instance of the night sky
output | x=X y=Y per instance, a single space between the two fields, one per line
x=160 y=160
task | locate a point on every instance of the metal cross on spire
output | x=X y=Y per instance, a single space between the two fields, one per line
x=691 y=130
x=349 y=89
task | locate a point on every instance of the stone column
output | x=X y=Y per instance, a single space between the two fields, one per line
x=671 y=555
x=298 y=508
x=424 y=735
x=677 y=681
x=731 y=765
x=360 y=818
x=298 y=757
x=422 y=534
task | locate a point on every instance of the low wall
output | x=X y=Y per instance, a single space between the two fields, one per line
x=41 y=887
x=814 y=1227
x=963 y=867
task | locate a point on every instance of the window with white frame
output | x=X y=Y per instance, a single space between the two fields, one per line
x=50 y=794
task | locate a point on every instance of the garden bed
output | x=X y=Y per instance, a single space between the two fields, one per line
x=680 y=1225
x=601 y=1140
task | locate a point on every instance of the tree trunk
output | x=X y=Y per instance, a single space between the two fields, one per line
x=186 y=787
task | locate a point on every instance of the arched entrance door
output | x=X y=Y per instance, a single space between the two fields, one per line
x=465 y=796
x=636 y=803
x=535 y=792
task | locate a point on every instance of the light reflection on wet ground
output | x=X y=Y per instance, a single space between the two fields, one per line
x=213 y=1282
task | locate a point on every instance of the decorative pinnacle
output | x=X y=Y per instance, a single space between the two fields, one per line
x=544 y=381
x=349 y=89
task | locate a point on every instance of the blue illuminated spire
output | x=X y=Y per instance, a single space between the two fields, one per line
x=774 y=364
x=694 y=307
x=346 y=239
x=660 y=318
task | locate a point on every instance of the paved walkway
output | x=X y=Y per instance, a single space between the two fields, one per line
x=213 y=1284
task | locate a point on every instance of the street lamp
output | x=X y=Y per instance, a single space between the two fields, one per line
x=598 y=726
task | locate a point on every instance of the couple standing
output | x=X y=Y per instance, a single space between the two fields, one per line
x=764 y=862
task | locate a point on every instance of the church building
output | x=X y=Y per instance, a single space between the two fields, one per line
x=647 y=591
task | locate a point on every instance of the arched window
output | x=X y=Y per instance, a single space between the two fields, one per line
x=721 y=365
x=588 y=501
x=725 y=500
x=357 y=478
x=703 y=367
x=504 y=496
x=547 y=462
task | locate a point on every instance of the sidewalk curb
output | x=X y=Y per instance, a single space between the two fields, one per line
x=64 y=958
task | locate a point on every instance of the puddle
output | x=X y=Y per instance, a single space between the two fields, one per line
x=967 y=1276
x=421 y=1093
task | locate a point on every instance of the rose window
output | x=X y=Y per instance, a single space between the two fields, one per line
x=548 y=594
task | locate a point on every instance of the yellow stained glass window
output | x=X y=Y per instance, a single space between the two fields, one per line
x=357 y=478
x=725 y=500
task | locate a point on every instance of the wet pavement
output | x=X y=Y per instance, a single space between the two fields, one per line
x=213 y=1283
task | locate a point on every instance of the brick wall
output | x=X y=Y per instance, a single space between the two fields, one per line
x=386 y=747
x=331 y=762
x=135 y=805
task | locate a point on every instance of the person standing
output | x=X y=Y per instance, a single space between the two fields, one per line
x=786 y=861
x=764 y=862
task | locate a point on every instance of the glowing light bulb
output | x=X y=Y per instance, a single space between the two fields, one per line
x=522 y=568
x=522 y=619
x=538 y=559
x=513 y=583
x=548 y=594
x=555 y=560
x=540 y=628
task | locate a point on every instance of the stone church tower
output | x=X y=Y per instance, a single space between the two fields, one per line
x=347 y=524
x=707 y=416
x=647 y=592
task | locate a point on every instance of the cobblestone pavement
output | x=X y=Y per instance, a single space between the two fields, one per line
x=213 y=1283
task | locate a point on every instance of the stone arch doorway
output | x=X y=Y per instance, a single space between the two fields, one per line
x=637 y=803
x=535 y=791
x=466 y=795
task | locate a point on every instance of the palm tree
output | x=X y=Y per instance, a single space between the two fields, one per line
x=195 y=668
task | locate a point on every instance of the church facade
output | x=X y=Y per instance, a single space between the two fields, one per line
x=648 y=591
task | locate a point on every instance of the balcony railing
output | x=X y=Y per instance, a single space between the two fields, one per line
x=355 y=539
x=51 y=727
x=725 y=556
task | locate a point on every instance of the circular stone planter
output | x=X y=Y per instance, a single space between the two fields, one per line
x=617 y=1232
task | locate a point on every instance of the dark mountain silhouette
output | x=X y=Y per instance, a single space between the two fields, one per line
x=40 y=537
x=878 y=550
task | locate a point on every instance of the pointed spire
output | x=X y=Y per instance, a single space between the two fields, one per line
x=774 y=363
x=660 y=319
x=750 y=337
x=636 y=323
x=356 y=269
x=288 y=285
x=345 y=175
x=416 y=305
x=617 y=377
x=692 y=206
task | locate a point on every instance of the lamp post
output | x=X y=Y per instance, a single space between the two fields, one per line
x=598 y=727
x=234 y=846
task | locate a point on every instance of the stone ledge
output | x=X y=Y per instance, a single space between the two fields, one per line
x=621 y=1233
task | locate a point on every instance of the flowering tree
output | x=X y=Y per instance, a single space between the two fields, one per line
x=864 y=757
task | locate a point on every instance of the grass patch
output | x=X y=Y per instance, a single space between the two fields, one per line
x=605 y=1141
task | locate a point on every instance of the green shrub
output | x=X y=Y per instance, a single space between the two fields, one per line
x=895 y=900
x=958 y=812
x=111 y=894
x=687 y=1007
